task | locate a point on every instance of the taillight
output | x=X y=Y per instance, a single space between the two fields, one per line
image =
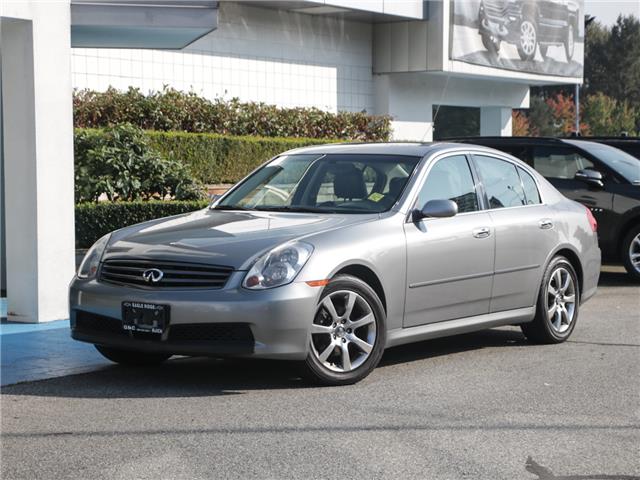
x=592 y=221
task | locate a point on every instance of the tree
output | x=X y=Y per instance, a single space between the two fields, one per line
x=607 y=116
x=612 y=61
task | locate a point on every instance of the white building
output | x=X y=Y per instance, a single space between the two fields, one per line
x=396 y=57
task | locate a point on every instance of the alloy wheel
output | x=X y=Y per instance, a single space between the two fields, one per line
x=561 y=300
x=343 y=332
x=634 y=253
x=528 y=38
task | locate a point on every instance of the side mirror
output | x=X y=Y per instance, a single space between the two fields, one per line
x=436 y=209
x=590 y=177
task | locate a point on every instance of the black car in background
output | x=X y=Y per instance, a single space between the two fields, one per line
x=603 y=178
x=631 y=145
x=528 y=24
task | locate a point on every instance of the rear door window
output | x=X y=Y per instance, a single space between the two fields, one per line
x=501 y=182
x=531 y=192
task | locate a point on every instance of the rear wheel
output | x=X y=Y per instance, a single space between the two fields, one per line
x=348 y=333
x=131 y=358
x=631 y=252
x=557 y=306
x=570 y=43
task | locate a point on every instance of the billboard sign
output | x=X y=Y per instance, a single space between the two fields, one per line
x=533 y=36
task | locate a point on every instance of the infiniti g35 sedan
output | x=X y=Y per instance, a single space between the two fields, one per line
x=328 y=255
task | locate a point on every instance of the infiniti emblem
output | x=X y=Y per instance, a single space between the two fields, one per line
x=153 y=275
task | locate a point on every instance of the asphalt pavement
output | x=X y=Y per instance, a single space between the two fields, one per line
x=480 y=406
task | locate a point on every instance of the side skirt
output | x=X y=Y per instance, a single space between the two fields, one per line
x=400 y=336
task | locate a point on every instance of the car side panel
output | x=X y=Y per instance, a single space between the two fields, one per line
x=522 y=247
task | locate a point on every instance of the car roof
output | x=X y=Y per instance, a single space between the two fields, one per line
x=388 y=148
x=509 y=140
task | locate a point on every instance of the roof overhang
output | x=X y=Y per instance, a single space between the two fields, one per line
x=141 y=23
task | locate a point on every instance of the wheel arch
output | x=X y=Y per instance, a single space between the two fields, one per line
x=368 y=276
x=575 y=262
x=626 y=227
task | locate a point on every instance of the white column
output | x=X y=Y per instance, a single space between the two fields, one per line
x=408 y=104
x=495 y=122
x=38 y=156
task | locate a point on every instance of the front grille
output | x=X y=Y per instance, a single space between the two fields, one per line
x=225 y=333
x=174 y=274
x=500 y=10
x=496 y=8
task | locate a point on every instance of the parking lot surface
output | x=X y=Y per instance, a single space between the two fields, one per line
x=486 y=405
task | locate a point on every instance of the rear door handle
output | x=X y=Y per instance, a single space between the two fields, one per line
x=482 y=232
x=545 y=224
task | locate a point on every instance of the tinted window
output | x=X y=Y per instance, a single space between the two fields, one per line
x=559 y=162
x=530 y=188
x=450 y=178
x=623 y=163
x=501 y=182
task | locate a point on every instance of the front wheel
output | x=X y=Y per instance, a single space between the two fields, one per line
x=348 y=333
x=528 y=41
x=132 y=358
x=557 y=306
x=631 y=252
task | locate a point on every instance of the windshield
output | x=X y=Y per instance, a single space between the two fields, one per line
x=324 y=183
x=621 y=162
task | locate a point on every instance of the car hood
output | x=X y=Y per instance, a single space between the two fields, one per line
x=217 y=237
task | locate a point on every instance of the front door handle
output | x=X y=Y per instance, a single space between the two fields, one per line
x=482 y=232
x=545 y=224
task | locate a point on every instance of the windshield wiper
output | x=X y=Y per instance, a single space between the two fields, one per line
x=286 y=208
x=229 y=207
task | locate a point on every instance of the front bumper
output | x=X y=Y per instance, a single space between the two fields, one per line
x=270 y=323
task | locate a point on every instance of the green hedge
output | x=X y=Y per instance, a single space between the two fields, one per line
x=173 y=110
x=222 y=159
x=93 y=220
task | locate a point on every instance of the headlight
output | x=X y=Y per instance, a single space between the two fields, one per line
x=91 y=261
x=278 y=267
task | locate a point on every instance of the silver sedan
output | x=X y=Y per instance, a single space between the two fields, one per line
x=328 y=255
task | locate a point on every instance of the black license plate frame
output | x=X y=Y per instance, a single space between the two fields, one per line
x=145 y=317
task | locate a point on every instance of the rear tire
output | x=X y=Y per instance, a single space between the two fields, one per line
x=131 y=358
x=348 y=334
x=557 y=306
x=570 y=43
x=631 y=252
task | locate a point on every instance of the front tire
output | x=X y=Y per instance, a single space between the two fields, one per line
x=348 y=333
x=528 y=40
x=558 y=304
x=132 y=358
x=631 y=252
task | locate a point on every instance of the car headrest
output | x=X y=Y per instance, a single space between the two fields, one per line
x=349 y=183
x=395 y=186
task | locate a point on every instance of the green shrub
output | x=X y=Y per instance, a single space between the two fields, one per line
x=93 y=220
x=222 y=159
x=120 y=162
x=178 y=111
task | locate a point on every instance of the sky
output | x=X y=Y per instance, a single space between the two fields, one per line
x=607 y=11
